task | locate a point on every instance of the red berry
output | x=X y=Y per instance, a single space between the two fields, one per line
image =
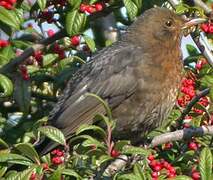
x=195 y=175
x=50 y=32
x=157 y=168
x=26 y=77
x=75 y=40
x=99 y=6
x=61 y=54
x=193 y=146
x=154 y=174
x=90 y=9
x=172 y=170
x=38 y=56
x=115 y=153
x=205 y=27
x=45 y=166
x=3 y=43
x=168 y=146
x=83 y=8
x=198 y=66
x=211 y=28
x=60 y=153
x=33 y=176
x=23 y=69
x=151 y=157
x=57 y=160
x=54 y=151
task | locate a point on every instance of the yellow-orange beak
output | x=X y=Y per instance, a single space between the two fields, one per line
x=193 y=22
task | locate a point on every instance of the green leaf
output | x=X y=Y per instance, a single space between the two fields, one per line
x=181 y=8
x=130 y=176
x=182 y=178
x=42 y=4
x=48 y=59
x=23 y=175
x=3 y=170
x=3 y=143
x=6 y=86
x=15 y=159
x=86 y=127
x=205 y=164
x=22 y=94
x=192 y=50
x=138 y=171
x=207 y=81
x=28 y=150
x=138 y=3
x=56 y=175
x=53 y=133
x=21 y=44
x=74 y=3
x=71 y=172
x=9 y=18
x=90 y=42
x=8 y=52
x=135 y=150
x=132 y=9
x=75 y=22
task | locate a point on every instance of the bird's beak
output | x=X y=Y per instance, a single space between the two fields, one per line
x=193 y=22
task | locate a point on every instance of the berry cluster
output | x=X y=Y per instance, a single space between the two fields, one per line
x=161 y=167
x=188 y=90
x=87 y=8
x=4 y=43
x=7 y=4
x=59 y=50
x=24 y=73
x=207 y=28
x=58 y=157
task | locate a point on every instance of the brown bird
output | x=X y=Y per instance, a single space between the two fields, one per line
x=138 y=76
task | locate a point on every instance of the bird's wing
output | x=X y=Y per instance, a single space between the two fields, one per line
x=110 y=76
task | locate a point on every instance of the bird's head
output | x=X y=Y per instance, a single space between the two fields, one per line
x=159 y=26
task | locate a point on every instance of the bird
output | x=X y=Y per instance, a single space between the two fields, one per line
x=138 y=76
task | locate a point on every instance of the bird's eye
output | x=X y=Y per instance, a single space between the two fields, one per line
x=168 y=23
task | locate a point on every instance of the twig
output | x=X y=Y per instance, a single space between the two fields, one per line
x=194 y=100
x=181 y=135
x=117 y=165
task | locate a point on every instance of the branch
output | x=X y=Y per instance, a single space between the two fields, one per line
x=182 y=135
x=116 y=166
x=194 y=100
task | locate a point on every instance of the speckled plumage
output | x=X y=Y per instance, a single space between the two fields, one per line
x=138 y=76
